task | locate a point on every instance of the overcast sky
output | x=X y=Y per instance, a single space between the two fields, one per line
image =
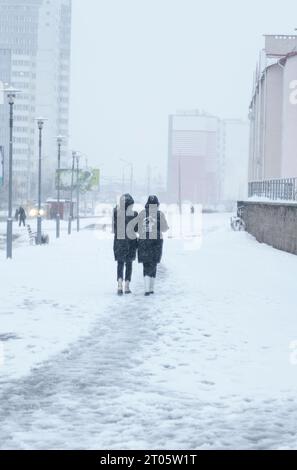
x=136 y=61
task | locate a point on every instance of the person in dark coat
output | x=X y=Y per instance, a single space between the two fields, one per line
x=124 y=227
x=151 y=226
x=22 y=216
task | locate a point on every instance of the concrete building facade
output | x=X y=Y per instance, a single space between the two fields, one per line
x=35 y=38
x=273 y=111
x=207 y=158
x=193 y=158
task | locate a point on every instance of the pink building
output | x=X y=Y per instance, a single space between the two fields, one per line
x=194 y=158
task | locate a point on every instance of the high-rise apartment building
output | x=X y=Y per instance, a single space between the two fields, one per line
x=35 y=39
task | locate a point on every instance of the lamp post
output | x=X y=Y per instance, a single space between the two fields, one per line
x=40 y=124
x=71 y=195
x=58 y=216
x=179 y=185
x=151 y=180
x=123 y=180
x=131 y=177
x=180 y=200
x=86 y=192
x=11 y=95
x=130 y=164
x=77 y=193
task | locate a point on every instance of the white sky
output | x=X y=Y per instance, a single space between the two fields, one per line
x=136 y=61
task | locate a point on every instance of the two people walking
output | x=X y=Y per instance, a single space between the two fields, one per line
x=140 y=234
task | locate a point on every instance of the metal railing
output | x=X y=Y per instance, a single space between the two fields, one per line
x=276 y=189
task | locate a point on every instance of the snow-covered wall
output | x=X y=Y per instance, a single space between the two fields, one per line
x=272 y=223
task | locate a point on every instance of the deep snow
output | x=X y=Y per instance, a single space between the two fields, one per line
x=205 y=363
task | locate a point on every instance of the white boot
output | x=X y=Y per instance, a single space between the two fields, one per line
x=120 y=287
x=127 y=287
x=147 y=285
x=152 y=285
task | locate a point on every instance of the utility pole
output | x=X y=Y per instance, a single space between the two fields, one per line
x=179 y=185
x=71 y=195
x=11 y=95
x=130 y=164
x=58 y=216
x=11 y=98
x=123 y=180
x=180 y=196
x=131 y=178
x=86 y=192
x=40 y=123
x=77 y=193
x=149 y=176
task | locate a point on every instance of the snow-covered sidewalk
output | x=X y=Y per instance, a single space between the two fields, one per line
x=205 y=363
x=50 y=295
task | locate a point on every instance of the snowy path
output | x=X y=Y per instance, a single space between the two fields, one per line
x=203 y=364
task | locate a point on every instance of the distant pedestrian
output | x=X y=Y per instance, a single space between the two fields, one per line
x=16 y=215
x=22 y=216
x=151 y=226
x=124 y=227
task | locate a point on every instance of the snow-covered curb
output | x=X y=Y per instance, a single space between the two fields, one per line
x=266 y=200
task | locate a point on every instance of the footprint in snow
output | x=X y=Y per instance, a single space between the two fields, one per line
x=8 y=337
x=207 y=382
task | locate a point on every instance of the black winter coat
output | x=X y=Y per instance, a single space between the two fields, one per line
x=151 y=227
x=125 y=243
x=22 y=213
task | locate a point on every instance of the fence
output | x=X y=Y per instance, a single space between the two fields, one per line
x=276 y=189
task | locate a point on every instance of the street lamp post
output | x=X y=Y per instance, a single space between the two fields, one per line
x=77 y=194
x=149 y=177
x=179 y=185
x=86 y=193
x=131 y=177
x=123 y=180
x=58 y=217
x=130 y=164
x=71 y=195
x=11 y=95
x=40 y=124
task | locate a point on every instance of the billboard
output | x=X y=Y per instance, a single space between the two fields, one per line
x=88 y=179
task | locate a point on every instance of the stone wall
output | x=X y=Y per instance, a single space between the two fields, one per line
x=272 y=223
